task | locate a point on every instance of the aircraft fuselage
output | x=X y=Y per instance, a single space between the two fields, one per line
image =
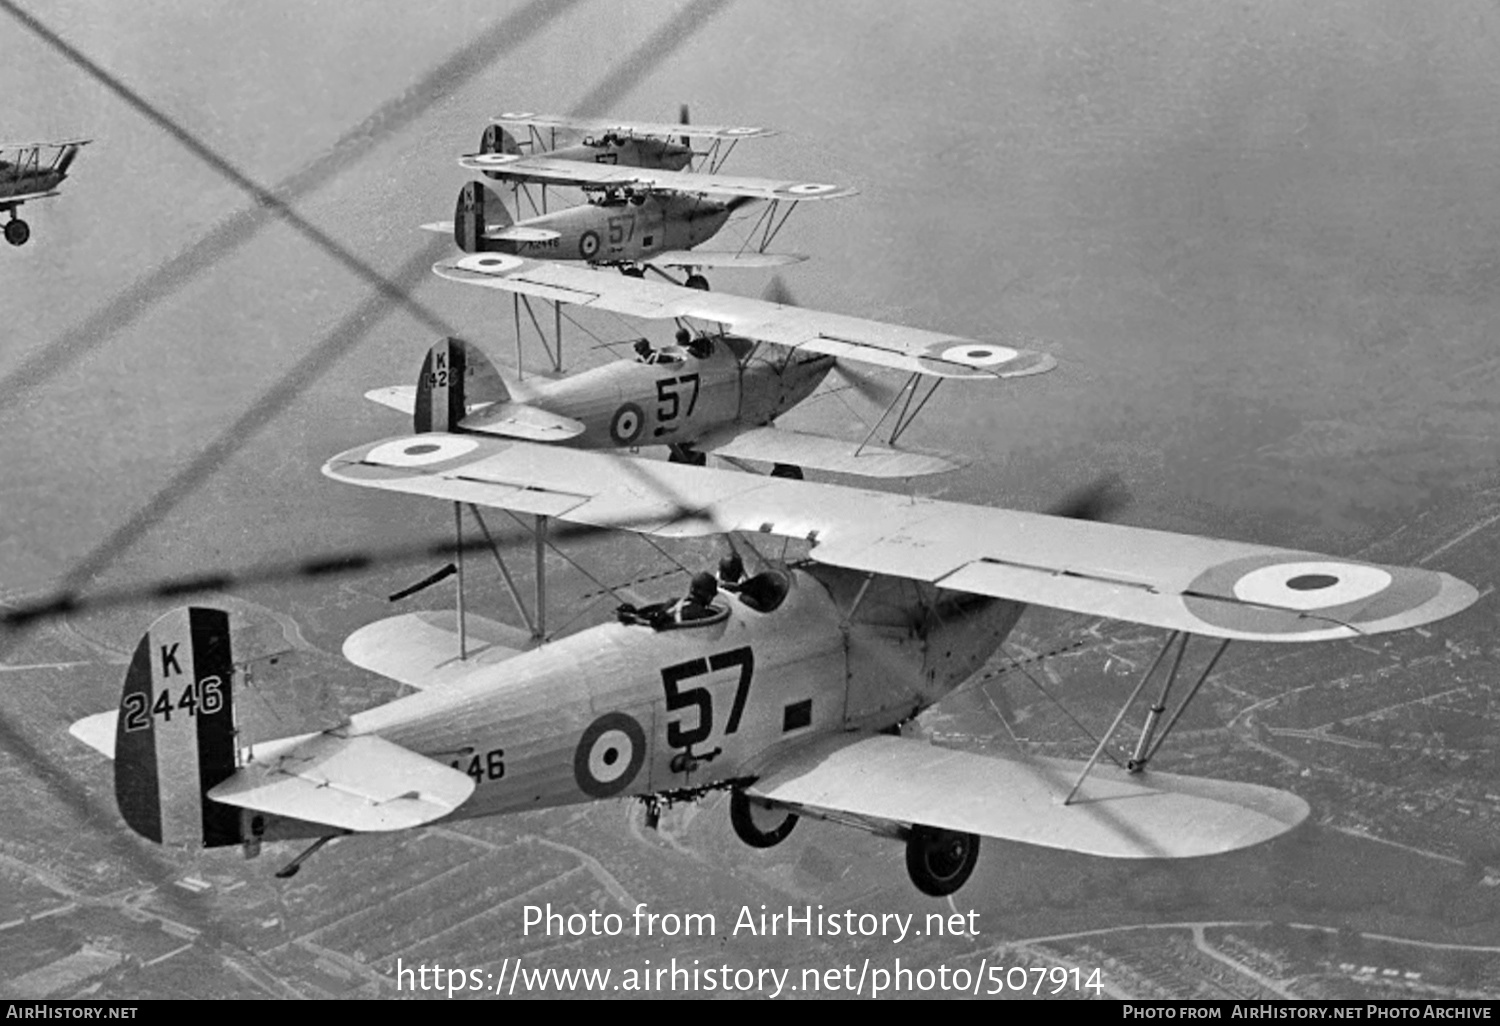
x=622 y=230
x=680 y=397
x=621 y=710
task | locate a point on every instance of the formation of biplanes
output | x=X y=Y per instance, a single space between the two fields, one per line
x=786 y=683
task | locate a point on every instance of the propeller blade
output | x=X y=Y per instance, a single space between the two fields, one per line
x=777 y=291
x=1099 y=500
x=683 y=119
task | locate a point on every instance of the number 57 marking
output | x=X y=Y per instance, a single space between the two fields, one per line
x=669 y=397
x=700 y=698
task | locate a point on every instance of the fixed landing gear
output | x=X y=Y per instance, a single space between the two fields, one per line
x=788 y=470
x=757 y=825
x=17 y=231
x=696 y=281
x=633 y=272
x=939 y=861
x=682 y=454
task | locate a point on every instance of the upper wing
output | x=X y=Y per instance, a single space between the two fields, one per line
x=887 y=345
x=43 y=145
x=555 y=171
x=1115 y=814
x=362 y=783
x=1205 y=586
x=659 y=128
x=422 y=649
x=19 y=198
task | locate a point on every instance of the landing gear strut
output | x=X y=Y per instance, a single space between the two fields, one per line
x=682 y=454
x=757 y=825
x=17 y=231
x=939 y=861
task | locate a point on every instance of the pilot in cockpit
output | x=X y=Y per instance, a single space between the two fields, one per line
x=696 y=608
x=698 y=603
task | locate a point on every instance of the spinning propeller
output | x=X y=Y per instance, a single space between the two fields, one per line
x=874 y=389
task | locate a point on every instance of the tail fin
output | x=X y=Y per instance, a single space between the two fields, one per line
x=478 y=210
x=455 y=376
x=497 y=140
x=66 y=158
x=175 y=738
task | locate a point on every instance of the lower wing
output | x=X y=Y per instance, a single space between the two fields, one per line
x=510 y=233
x=422 y=649
x=818 y=452
x=708 y=258
x=1115 y=814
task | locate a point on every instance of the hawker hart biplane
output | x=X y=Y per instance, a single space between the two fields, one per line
x=788 y=691
x=661 y=146
x=714 y=393
x=634 y=218
x=25 y=176
x=765 y=357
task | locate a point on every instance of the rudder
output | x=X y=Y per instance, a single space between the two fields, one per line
x=175 y=738
x=477 y=211
x=455 y=376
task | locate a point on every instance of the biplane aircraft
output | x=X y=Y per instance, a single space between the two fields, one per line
x=25 y=176
x=635 y=219
x=710 y=393
x=786 y=688
x=661 y=146
x=769 y=348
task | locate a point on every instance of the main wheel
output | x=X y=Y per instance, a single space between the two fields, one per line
x=939 y=861
x=682 y=454
x=790 y=470
x=633 y=272
x=757 y=825
x=17 y=232
x=696 y=281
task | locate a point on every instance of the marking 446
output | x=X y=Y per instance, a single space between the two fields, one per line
x=205 y=696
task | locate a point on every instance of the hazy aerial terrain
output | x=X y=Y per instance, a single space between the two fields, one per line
x=1262 y=240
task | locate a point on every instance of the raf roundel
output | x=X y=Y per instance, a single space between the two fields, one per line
x=810 y=188
x=420 y=452
x=490 y=263
x=588 y=245
x=494 y=159
x=978 y=354
x=1311 y=585
x=609 y=755
x=741 y=131
x=518 y=115
x=626 y=425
